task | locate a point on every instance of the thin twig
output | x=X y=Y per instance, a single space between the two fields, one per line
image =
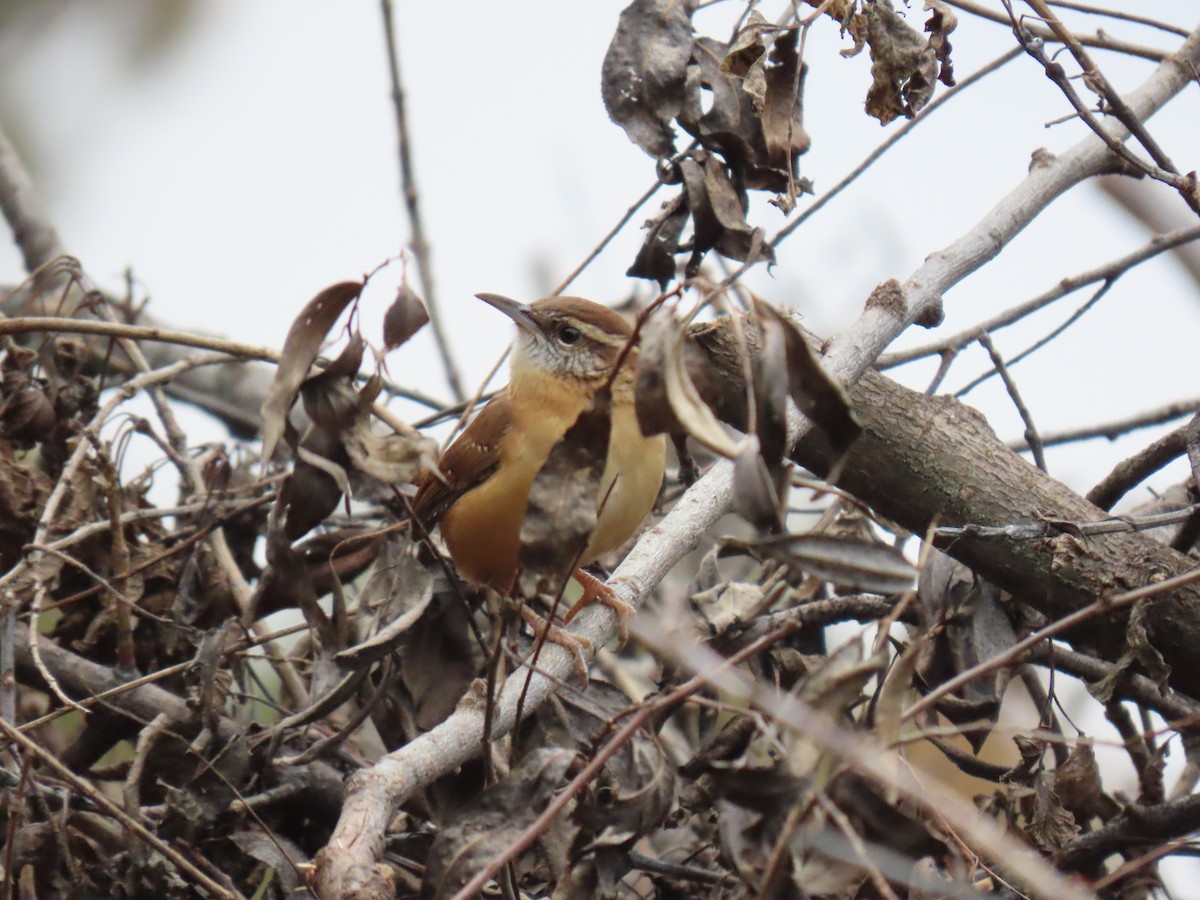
x=132 y=793
x=1138 y=468
x=1098 y=40
x=39 y=324
x=1181 y=712
x=1160 y=172
x=604 y=241
x=1117 y=427
x=1014 y=653
x=408 y=174
x=1110 y=271
x=1157 y=212
x=8 y=659
x=1031 y=434
x=99 y=698
x=1041 y=342
x=883 y=148
x=1095 y=78
x=1122 y=16
x=126 y=821
x=1025 y=531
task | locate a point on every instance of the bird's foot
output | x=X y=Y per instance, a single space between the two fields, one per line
x=577 y=645
x=595 y=590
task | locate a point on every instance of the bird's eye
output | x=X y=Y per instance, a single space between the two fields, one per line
x=569 y=334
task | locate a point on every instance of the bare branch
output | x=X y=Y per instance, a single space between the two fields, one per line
x=420 y=245
x=1109 y=271
x=1118 y=427
x=24 y=210
x=1031 y=434
x=1099 y=40
x=373 y=794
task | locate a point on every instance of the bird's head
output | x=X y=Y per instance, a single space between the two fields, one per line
x=565 y=336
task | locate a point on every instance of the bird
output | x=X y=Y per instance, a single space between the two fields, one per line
x=565 y=351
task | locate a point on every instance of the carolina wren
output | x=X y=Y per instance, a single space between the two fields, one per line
x=565 y=351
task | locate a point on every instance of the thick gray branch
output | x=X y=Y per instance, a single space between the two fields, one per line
x=348 y=866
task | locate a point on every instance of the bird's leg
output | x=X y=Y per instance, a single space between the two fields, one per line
x=577 y=645
x=595 y=590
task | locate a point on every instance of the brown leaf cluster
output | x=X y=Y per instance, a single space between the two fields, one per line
x=741 y=101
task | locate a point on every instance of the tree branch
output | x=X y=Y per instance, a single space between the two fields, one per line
x=23 y=209
x=348 y=865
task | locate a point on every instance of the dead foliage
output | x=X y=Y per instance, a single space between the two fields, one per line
x=163 y=737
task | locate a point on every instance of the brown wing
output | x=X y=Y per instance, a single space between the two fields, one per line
x=466 y=463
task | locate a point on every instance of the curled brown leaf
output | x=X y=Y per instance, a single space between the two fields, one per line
x=300 y=349
x=404 y=318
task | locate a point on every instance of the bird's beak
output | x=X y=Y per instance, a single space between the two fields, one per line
x=518 y=312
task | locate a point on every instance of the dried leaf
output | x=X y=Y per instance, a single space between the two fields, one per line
x=308 y=495
x=1032 y=750
x=300 y=349
x=815 y=392
x=439 y=661
x=284 y=857
x=692 y=413
x=742 y=103
x=1051 y=828
x=27 y=416
x=634 y=791
x=747 y=58
x=751 y=116
x=942 y=20
x=486 y=827
x=859 y=565
x=942 y=589
x=893 y=696
x=1144 y=650
x=970 y=626
x=749 y=46
x=404 y=318
x=772 y=370
x=904 y=67
x=656 y=257
x=563 y=501
x=334 y=470
x=756 y=495
x=1077 y=784
x=718 y=215
x=654 y=413
x=642 y=80
x=401 y=589
x=727 y=604
x=390 y=458
x=1138 y=649
x=782 y=118
x=330 y=402
x=835 y=682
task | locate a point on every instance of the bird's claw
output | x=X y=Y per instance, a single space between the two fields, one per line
x=575 y=644
x=595 y=590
